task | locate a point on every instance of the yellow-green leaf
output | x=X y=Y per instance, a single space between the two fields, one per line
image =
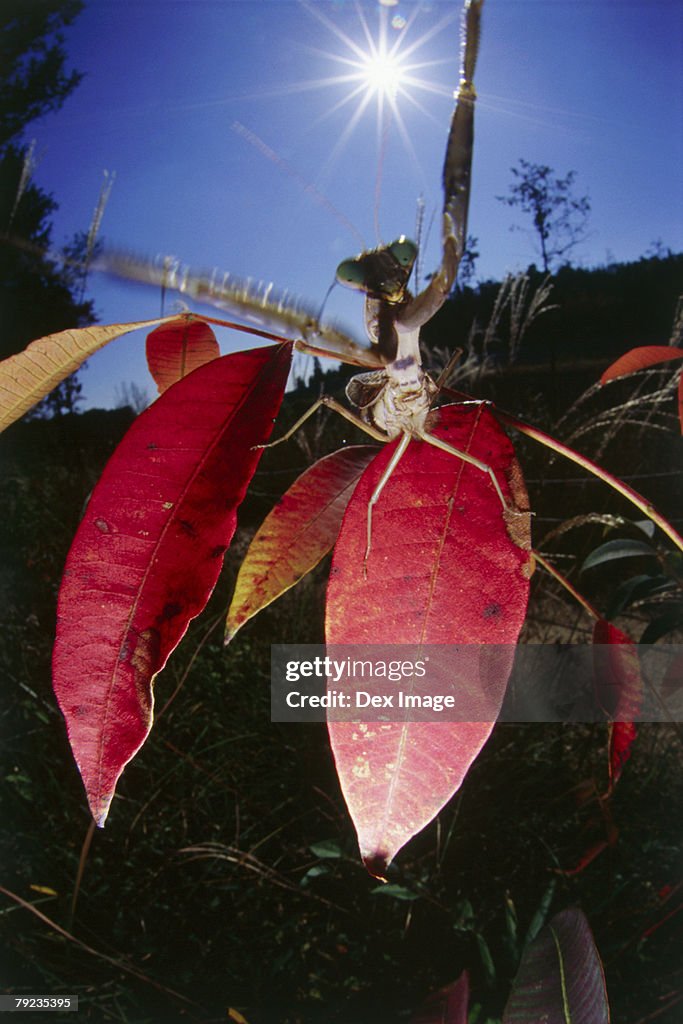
x=299 y=531
x=44 y=890
x=30 y=375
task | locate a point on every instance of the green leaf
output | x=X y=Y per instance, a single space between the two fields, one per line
x=327 y=849
x=615 y=549
x=486 y=959
x=635 y=589
x=315 y=872
x=671 y=619
x=399 y=892
x=538 y=920
x=646 y=525
x=511 y=937
x=464 y=920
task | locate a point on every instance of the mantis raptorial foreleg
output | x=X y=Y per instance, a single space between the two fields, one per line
x=457 y=171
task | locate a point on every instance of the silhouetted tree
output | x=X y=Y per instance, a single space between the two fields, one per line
x=36 y=291
x=33 y=79
x=559 y=218
x=39 y=293
x=466 y=270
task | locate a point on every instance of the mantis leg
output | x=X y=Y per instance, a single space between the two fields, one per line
x=329 y=403
x=471 y=459
x=641 y=503
x=391 y=466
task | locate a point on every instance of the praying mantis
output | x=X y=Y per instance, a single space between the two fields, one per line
x=394 y=399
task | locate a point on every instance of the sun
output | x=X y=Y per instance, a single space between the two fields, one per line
x=377 y=69
x=383 y=74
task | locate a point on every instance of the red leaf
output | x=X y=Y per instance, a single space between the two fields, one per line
x=642 y=359
x=176 y=349
x=619 y=691
x=149 y=551
x=587 y=859
x=297 y=534
x=621 y=737
x=447 y=1006
x=447 y=566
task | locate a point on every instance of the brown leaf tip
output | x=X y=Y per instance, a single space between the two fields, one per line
x=377 y=864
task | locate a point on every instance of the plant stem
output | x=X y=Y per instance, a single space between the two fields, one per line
x=612 y=481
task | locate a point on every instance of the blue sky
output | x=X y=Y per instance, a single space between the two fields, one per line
x=595 y=86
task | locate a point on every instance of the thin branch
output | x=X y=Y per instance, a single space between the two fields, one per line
x=570 y=588
x=118 y=964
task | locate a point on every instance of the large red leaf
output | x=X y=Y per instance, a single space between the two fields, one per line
x=297 y=534
x=447 y=565
x=149 y=551
x=174 y=350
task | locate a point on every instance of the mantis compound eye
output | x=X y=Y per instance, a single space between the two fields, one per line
x=404 y=251
x=352 y=274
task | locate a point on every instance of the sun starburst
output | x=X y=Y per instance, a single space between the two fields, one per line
x=379 y=70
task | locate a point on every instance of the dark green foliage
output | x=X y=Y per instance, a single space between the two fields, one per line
x=33 y=77
x=608 y=310
x=39 y=293
x=600 y=314
x=36 y=293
